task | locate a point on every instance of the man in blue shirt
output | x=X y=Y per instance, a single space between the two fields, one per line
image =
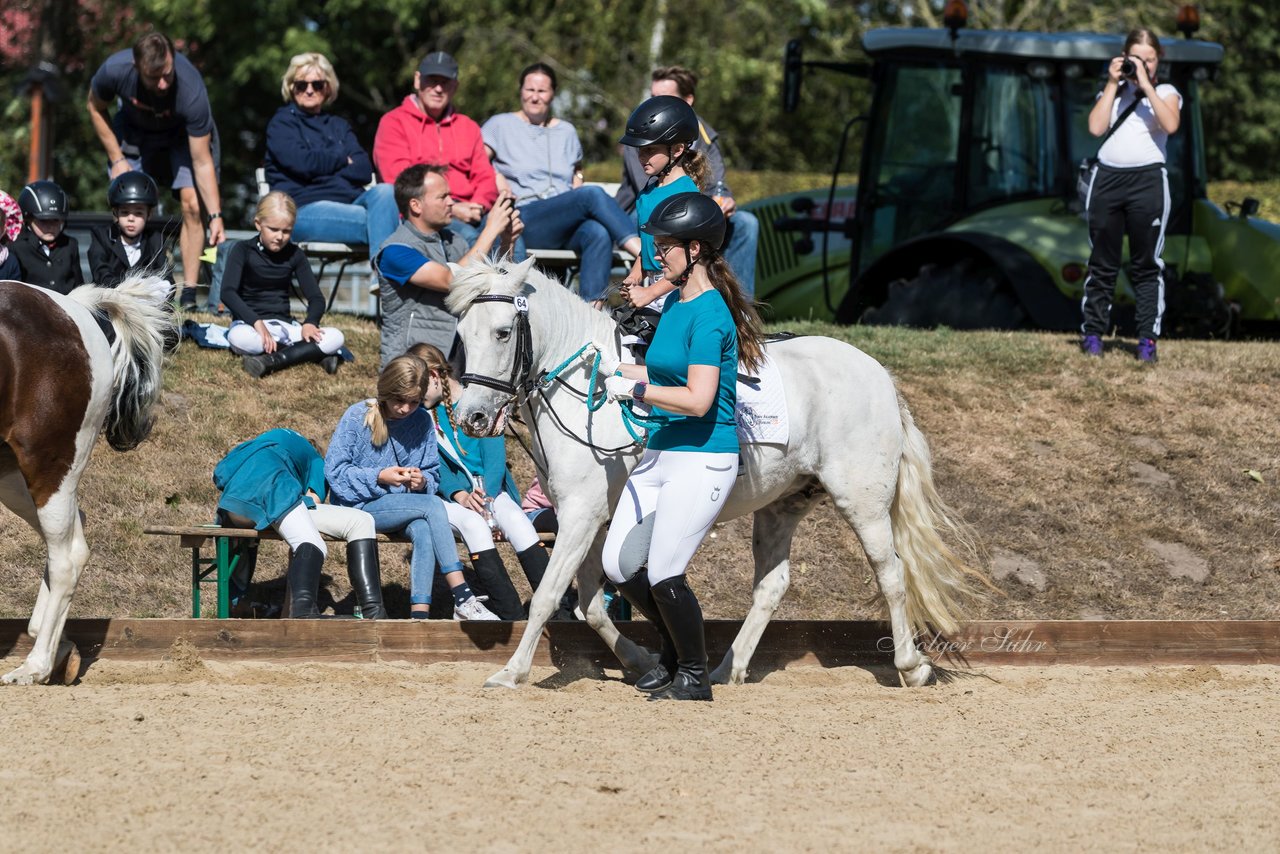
x=164 y=126
x=413 y=263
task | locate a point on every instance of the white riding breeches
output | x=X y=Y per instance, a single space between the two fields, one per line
x=666 y=510
x=246 y=341
x=511 y=520
x=301 y=525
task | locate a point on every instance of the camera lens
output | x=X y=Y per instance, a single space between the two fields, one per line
x=1127 y=68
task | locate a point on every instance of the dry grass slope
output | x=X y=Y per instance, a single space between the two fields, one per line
x=1097 y=488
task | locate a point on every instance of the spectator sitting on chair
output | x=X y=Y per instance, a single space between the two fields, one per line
x=383 y=458
x=48 y=257
x=128 y=243
x=315 y=157
x=744 y=228
x=256 y=286
x=10 y=228
x=413 y=264
x=275 y=481
x=539 y=159
x=425 y=128
x=164 y=127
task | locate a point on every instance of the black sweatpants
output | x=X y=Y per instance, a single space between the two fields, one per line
x=1133 y=202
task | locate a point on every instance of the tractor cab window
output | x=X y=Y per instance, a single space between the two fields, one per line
x=1013 y=147
x=912 y=164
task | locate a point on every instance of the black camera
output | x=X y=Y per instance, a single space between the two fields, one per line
x=1128 y=69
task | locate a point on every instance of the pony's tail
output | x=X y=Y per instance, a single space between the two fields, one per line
x=137 y=309
x=938 y=580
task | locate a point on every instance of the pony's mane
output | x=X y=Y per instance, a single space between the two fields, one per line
x=481 y=276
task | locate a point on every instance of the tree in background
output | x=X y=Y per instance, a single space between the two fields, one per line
x=602 y=50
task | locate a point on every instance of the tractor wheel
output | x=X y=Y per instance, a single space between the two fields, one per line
x=965 y=294
x=1198 y=308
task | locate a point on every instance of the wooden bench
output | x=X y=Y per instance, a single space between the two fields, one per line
x=217 y=569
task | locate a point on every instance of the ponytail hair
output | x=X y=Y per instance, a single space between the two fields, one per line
x=745 y=318
x=695 y=165
x=436 y=364
x=403 y=378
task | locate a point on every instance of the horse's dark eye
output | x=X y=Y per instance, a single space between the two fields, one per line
x=504 y=334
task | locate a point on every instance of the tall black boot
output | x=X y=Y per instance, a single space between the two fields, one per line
x=492 y=581
x=366 y=578
x=284 y=357
x=534 y=561
x=303 y=582
x=683 y=615
x=636 y=590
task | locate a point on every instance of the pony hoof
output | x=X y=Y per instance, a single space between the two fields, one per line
x=502 y=679
x=20 y=676
x=728 y=676
x=919 y=676
x=67 y=670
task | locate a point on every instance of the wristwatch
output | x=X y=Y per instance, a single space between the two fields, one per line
x=637 y=393
x=214 y=216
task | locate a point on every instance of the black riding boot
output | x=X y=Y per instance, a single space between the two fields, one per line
x=492 y=581
x=636 y=590
x=303 y=582
x=534 y=561
x=366 y=578
x=683 y=615
x=284 y=357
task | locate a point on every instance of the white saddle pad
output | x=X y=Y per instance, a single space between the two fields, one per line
x=762 y=407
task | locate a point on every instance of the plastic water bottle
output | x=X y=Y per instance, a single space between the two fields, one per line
x=720 y=192
x=477 y=484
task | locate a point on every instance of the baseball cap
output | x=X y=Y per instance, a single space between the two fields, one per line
x=439 y=64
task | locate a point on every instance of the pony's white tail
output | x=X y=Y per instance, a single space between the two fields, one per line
x=142 y=321
x=937 y=579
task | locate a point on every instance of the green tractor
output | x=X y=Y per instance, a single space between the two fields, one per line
x=965 y=212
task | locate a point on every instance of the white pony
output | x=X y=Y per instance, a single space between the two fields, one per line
x=851 y=437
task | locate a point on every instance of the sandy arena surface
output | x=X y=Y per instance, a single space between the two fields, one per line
x=207 y=756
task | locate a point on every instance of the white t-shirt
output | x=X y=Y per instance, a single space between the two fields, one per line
x=1140 y=141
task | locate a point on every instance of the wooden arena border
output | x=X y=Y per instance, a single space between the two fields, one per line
x=785 y=642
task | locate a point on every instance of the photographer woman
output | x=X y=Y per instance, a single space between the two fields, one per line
x=1129 y=191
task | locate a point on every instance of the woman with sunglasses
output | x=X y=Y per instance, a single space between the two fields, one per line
x=315 y=157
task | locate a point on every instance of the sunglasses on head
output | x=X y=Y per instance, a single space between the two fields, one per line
x=300 y=86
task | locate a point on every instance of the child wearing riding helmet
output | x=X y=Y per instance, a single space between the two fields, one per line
x=690 y=462
x=128 y=243
x=255 y=287
x=383 y=459
x=10 y=228
x=481 y=496
x=663 y=129
x=48 y=257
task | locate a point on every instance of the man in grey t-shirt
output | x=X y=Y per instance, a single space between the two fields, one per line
x=163 y=126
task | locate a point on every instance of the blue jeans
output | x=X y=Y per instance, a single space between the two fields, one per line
x=740 y=248
x=587 y=221
x=425 y=522
x=369 y=220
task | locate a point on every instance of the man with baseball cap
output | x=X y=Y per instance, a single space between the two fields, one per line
x=425 y=128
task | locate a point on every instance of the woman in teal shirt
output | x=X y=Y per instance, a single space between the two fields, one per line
x=691 y=460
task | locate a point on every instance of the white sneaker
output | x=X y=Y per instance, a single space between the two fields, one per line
x=473 y=609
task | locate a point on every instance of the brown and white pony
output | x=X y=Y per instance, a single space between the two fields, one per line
x=61 y=383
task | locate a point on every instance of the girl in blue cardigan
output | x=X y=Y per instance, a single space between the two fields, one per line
x=479 y=490
x=383 y=459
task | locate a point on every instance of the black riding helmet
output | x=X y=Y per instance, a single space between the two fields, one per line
x=686 y=217
x=43 y=200
x=662 y=120
x=133 y=188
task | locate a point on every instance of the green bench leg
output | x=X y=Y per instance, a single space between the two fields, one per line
x=223 y=546
x=196 y=564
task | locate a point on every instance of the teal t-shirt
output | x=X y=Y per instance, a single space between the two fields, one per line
x=645 y=203
x=698 y=332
